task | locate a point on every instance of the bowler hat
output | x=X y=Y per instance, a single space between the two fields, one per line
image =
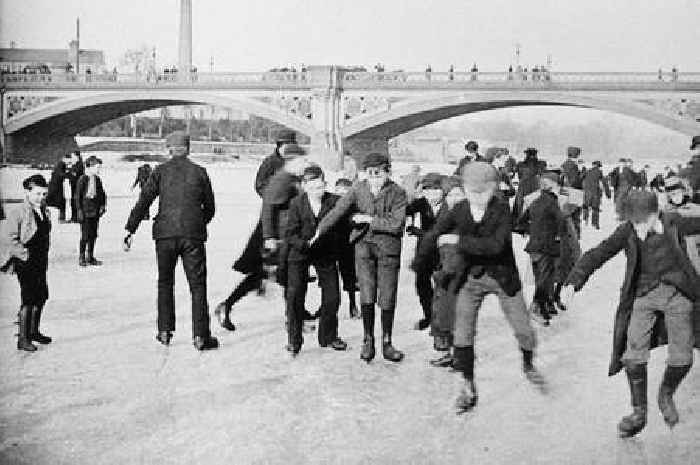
x=93 y=160
x=530 y=151
x=479 y=176
x=471 y=146
x=178 y=139
x=573 y=152
x=375 y=160
x=312 y=172
x=597 y=163
x=695 y=142
x=432 y=181
x=286 y=136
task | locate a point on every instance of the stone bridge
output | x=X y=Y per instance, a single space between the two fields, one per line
x=342 y=111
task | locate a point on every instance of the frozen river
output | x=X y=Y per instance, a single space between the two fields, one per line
x=105 y=392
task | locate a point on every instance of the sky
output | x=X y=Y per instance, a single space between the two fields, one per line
x=256 y=35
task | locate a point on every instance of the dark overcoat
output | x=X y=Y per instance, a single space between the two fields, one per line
x=624 y=238
x=55 y=196
x=592 y=191
x=90 y=207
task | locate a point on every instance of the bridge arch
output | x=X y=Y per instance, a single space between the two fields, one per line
x=71 y=114
x=421 y=112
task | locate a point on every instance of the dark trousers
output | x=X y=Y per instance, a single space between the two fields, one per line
x=251 y=282
x=194 y=261
x=424 y=288
x=346 y=266
x=543 y=269
x=295 y=294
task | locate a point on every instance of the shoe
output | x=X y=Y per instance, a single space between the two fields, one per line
x=672 y=378
x=164 y=337
x=339 y=344
x=34 y=333
x=94 y=262
x=293 y=349
x=468 y=398
x=222 y=314
x=422 y=324
x=531 y=373
x=205 y=343
x=632 y=424
x=367 y=352
x=445 y=361
x=82 y=261
x=390 y=353
x=24 y=342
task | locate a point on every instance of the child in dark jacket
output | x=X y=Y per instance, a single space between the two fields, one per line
x=543 y=219
x=659 y=280
x=305 y=212
x=90 y=201
x=427 y=207
x=480 y=227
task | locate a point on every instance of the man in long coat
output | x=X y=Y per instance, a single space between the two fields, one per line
x=592 y=193
x=528 y=171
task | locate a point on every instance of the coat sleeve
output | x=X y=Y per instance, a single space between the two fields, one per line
x=80 y=192
x=293 y=233
x=428 y=245
x=606 y=186
x=146 y=197
x=103 y=194
x=493 y=244
x=262 y=177
x=687 y=225
x=11 y=228
x=338 y=212
x=208 y=203
x=392 y=223
x=596 y=257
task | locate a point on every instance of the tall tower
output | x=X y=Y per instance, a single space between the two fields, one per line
x=185 y=41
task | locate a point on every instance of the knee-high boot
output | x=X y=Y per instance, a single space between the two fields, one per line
x=464 y=362
x=35 y=334
x=637 y=420
x=368 y=352
x=24 y=341
x=390 y=353
x=672 y=378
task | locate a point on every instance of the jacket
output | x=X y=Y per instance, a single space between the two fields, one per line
x=185 y=201
x=270 y=165
x=90 y=208
x=624 y=238
x=302 y=225
x=571 y=176
x=545 y=222
x=388 y=211
x=18 y=228
x=282 y=188
x=55 y=196
x=486 y=246
x=528 y=175
x=591 y=185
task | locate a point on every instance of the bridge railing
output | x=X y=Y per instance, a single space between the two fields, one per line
x=351 y=79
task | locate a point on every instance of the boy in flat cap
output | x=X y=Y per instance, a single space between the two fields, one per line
x=427 y=207
x=90 y=201
x=659 y=280
x=480 y=226
x=305 y=211
x=544 y=221
x=185 y=208
x=378 y=209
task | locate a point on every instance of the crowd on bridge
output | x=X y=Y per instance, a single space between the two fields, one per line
x=463 y=222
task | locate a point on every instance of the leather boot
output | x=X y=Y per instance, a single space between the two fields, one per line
x=637 y=420
x=367 y=352
x=672 y=378
x=24 y=341
x=222 y=313
x=35 y=334
x=390 y=353
x=531 y=373
x=464 y=362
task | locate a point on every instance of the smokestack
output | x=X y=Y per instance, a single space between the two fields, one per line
x=185 y=42
x=77 y=50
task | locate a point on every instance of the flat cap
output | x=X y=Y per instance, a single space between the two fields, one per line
x=286 y=136
x=292 y=150
x=471 y=145
x=93 y=160
x=374 y=160
x=432 y=181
